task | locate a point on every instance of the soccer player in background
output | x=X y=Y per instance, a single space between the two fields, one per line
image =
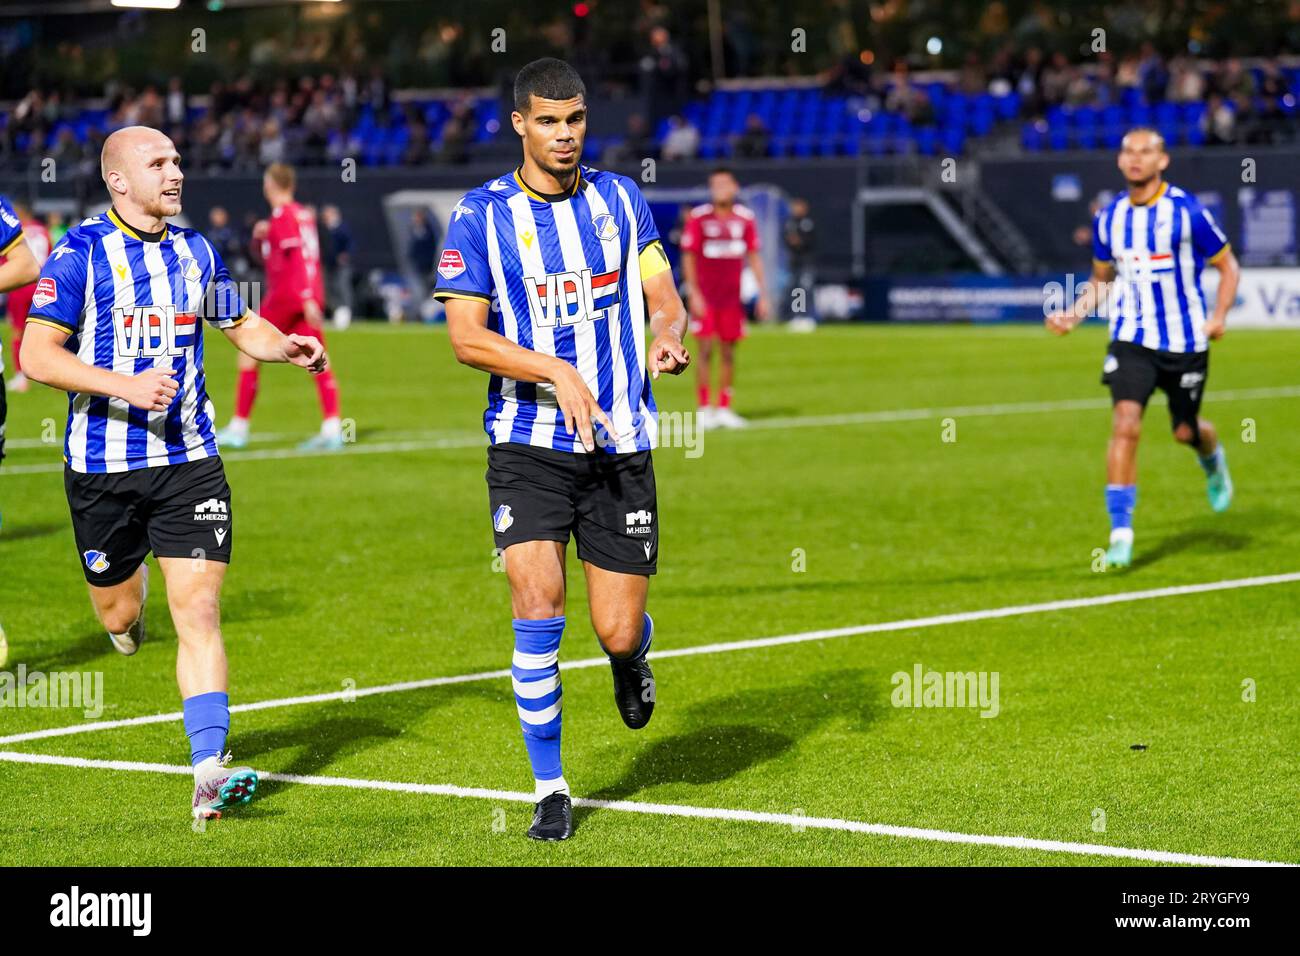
x=718 y=240
x=20 y=299
x=117 y=323
x=548 y=275
x=18 y=268
x=294 y=304
x=1151 y=242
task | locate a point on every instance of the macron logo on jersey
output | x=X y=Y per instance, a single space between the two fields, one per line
x=567 y=298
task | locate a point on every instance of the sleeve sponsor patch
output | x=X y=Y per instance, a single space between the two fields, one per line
x=451 y=264
x=46 y=292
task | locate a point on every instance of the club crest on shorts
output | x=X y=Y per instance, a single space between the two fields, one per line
x=97 y=561
x=1112 y=363
x=502 y=519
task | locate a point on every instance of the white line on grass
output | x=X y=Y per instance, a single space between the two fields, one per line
x=417 y=442
x=679 y=810
x=906 y=624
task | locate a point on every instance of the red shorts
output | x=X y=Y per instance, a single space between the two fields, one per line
x=726 y=323
x=20 y=303
x=287 y=316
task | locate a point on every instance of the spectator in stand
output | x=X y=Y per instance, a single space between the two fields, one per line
x=1234 y=80
x=754 y=141
x=1219 y=122
x=664 y=75
x=1056 y=79
x=972 y=80
x=457 y=133
x=1153 y=73
x=1186 y=81
x=1029 y=84
x=176 y=108
x=419 y=150
x=682 y=141
x=273 y=148
x=636 y=146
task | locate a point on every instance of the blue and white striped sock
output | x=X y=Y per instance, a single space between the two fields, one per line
x=535 y=672
x=1120 y=502
x=647 y=638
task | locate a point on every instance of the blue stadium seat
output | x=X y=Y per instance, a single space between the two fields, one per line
x=1031 y=137
x=954 y=140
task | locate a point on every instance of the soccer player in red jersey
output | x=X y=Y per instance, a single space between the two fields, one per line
x=719 y=239
x=20 y=300
x=294 y=304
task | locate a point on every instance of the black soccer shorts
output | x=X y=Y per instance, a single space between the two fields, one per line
x=1133 y=372
x=175 y=511
x=606 y=501
x=4 y=414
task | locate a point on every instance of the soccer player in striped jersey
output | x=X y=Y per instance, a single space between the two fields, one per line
x=19 y=268
x=117 y=322
x=1149 y=247
x=549 y=274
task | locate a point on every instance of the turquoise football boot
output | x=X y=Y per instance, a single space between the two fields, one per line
x=1119 y=554
x=1218 y=487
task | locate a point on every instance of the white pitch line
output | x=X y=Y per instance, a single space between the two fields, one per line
x=793 y=820
x=275 y=454
x=886 y=416
x=907 y=624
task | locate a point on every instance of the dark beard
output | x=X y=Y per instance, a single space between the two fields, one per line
x=563 y=176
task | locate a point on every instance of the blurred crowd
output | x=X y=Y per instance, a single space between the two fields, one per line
x=321 y=92
x=242 y=125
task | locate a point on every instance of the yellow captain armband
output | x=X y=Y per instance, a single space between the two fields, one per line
x=653 y=260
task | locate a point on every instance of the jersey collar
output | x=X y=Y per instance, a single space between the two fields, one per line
x=1154 y=199
x=117 y=220
x=548 y=197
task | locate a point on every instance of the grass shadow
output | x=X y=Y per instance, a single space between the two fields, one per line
x=768 y=722
x=24 y=532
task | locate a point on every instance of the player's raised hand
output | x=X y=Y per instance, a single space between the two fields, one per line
x=1060 y=323
x=153 y=389
x=579 y=406
x=306 y=352
x=668 y=354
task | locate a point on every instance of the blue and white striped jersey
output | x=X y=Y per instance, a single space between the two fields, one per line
x=11 y=233
x=11 y=227
x=1158 y=249
x=562 y=276
x=133 y=302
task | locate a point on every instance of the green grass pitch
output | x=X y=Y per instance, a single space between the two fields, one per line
x=375 y=566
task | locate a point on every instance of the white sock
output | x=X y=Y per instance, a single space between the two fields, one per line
x=544 y=788
x=1121 y=534
x=239 y=426
x=331 y=428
